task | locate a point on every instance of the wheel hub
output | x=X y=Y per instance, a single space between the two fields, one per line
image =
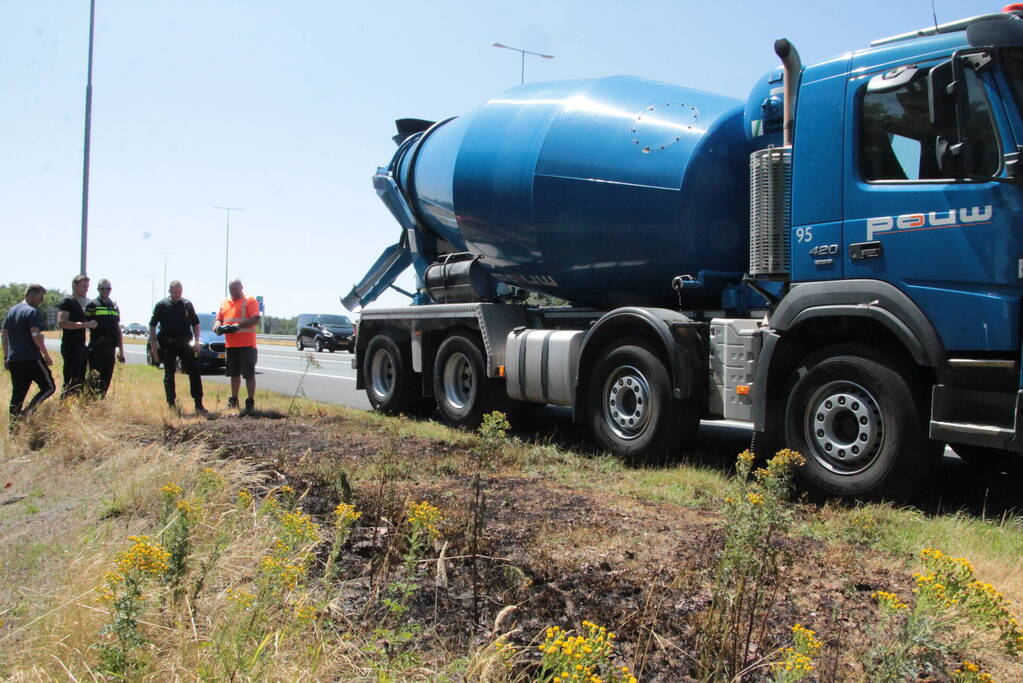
x=381 y=373
x=844 y=427
x=459 y=381
x=627 y=402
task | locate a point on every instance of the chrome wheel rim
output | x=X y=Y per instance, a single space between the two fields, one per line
x=381 y=374
x=626 y=402
x=459 y=381
x=843 y=427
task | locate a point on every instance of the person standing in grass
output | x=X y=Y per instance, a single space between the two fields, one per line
x=178 y=339
x=71 y=320
x=237 y=320
x=25 y=354
x=104 y=339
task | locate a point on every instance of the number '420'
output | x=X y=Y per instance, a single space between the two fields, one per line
x=824 y=250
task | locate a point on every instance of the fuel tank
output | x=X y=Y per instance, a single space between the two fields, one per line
x=596 y=191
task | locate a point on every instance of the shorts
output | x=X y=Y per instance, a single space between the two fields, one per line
x=241 y=361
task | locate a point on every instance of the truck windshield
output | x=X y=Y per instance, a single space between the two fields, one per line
x=334 y=320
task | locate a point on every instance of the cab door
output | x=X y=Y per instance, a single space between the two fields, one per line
x=925 y=219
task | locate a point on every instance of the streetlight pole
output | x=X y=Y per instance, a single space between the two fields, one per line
x=523 y=54
x=88 y=135
x=165 y=267
x=227 y=239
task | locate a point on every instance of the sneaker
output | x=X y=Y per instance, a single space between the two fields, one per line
x=232 y=402
x=250 y=406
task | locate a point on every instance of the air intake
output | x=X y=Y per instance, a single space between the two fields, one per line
x=770 y=178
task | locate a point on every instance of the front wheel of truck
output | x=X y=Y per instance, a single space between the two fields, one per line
x=631 y=408
x=855 y=417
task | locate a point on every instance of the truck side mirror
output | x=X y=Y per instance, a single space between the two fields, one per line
x=941 y=95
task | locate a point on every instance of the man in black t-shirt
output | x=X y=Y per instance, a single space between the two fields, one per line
x=25 y=354
x=178 y=339
x=105 y=339
x=71 y=320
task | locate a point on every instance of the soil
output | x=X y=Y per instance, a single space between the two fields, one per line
x=555 y=554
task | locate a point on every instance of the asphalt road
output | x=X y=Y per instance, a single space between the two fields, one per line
x=326 y=377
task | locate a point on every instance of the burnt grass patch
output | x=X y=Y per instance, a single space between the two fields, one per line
x=549 y=553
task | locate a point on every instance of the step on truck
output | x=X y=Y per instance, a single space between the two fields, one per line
x=837 y=261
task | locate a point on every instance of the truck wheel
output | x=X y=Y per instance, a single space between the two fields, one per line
x=856 y=420
x=989 y=459
x=632 y=412
x=460 y=384
x=387 y=369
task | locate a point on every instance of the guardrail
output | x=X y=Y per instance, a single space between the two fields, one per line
x=276 y=337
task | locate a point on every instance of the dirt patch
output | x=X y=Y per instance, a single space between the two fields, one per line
x=557 y=555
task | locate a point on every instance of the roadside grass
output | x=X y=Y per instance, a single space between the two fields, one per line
x=86 y=475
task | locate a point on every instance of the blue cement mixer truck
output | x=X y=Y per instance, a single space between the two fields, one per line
x=837 y=261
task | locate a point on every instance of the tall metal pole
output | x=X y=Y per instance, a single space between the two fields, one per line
x=227 y=240
x=88 y=135
x=165 y=267
x=522 y=53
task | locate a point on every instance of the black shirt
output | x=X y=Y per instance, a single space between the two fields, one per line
x=175 y=318
x=19 y=322
x=108 y=321
x=75 y=314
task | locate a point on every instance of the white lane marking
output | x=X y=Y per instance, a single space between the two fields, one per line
x=307 y=374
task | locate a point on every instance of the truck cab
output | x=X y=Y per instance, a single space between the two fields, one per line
x=906 y=250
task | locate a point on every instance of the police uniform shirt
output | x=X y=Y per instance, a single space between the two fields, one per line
x=108 y=321
x=75 y=314
x=176 y=319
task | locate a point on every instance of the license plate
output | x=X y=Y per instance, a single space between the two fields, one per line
x=221 y=355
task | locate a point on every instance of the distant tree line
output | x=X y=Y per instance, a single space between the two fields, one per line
x=276 y=325
x=14 y=292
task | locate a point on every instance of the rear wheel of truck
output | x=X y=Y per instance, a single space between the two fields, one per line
x=855 y=417
x=460 y=384
x=387 y=369
x=631 y=409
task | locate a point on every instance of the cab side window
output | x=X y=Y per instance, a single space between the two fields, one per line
x=899 y=142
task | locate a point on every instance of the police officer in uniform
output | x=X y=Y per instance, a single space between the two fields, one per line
x=71 y=320
x=178 y=339
x=104 y=339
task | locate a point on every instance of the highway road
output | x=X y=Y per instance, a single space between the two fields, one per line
x=326 y=377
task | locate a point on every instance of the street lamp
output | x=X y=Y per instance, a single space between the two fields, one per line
x=227 y=240
x=523 y=53
x=165 y=253
x=88 y=135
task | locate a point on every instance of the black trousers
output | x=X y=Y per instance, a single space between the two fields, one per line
x=23 y=375
x=101 y=367
x=170 y=353
x=76 y=357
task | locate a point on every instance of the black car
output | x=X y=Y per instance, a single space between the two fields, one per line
x=212 y=354
x=324 y=332
x=136 y=329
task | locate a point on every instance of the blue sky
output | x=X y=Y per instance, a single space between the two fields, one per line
x=286 y=108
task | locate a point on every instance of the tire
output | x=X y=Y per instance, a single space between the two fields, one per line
x=631 y=409
x=387 y=371
x=989 y=459
x=460 y=384
x=331 y=349
x=860 y=425
x=298 y=343
x=319 y=346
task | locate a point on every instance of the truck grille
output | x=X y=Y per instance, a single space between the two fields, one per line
x=770 y=178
